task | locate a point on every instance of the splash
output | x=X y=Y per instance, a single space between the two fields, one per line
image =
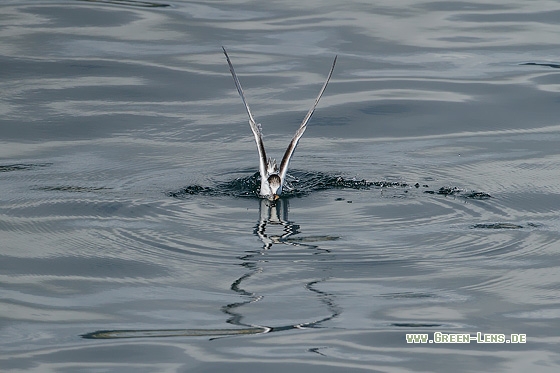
x=298 y=184
x=302 y=183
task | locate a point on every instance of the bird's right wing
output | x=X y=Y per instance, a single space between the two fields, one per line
x=255 y=127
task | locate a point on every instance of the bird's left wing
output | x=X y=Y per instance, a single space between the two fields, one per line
x=293 y=144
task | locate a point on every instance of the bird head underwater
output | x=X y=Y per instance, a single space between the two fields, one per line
x=272 y=177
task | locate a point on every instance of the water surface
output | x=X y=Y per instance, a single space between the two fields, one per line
x=425 y=192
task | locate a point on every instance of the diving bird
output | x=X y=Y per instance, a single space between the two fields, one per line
x=272 y=177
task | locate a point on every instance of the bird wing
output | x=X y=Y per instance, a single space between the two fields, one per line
x=292 y=147
x=255 y=127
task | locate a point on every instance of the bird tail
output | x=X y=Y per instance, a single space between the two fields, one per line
x=272 y=167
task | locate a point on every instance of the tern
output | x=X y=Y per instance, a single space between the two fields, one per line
x=272 y=177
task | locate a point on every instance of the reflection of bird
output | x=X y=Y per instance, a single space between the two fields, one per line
x=272 y=177
x=274 y=214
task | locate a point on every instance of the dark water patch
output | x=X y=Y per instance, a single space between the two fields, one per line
x=407 y=295
x=553 y=65
x=135 y=3
x=455 y=191
x=500 y=226
x=22 y=166
x=415 y=325
x=454 y=6
x=312 y=239
x=72 y=188
x=118 y=334
x=343 y=199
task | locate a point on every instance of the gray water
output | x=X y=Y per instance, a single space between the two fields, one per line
x=425 y=192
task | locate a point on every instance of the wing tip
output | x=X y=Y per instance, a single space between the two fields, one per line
x=225 y=52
